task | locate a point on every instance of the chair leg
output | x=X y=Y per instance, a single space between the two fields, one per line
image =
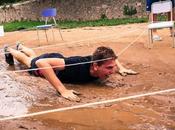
x=46 y=35
x=54 y=21
x=58 y=28
x=60 y=34
x=38 y=35
x=149 y=38
x=46 y=20
x=53 y=34
x=173 y=36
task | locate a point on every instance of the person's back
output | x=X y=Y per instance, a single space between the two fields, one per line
x=77 y=70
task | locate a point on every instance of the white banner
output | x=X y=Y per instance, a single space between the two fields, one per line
x=1 y=31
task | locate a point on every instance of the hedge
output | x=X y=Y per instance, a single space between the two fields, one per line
x=2 y=2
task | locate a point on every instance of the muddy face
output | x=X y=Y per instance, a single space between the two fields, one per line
x=104 y=70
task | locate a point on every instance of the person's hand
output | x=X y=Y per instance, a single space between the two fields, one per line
x=71 y=95
x=124 y=72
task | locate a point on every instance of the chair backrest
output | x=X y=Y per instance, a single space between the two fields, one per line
x=49 y=12
x=161 y=7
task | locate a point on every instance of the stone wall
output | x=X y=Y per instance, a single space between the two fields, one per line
x=70 y=9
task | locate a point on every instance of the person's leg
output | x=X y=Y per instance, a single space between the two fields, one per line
x=148 y=6
x=28 y=51
x=21 y=57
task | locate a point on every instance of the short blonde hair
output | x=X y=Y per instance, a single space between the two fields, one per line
x=102 y=54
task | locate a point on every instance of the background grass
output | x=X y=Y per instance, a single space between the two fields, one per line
x=14 y=26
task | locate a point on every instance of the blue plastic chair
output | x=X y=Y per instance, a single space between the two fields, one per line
x=48 y=13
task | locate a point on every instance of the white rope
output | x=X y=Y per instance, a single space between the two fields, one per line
x=87 y=104
x=131 y=43
x=26 y=70
x=73 y=42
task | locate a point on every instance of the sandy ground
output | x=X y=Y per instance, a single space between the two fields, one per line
x=21 y=93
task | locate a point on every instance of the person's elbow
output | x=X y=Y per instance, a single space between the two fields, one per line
x=41 y=63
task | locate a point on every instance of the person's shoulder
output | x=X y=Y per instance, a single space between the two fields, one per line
x=77 y=59
x=89 y=57
x=85 y=58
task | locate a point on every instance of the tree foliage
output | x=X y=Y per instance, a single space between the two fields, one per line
x=129 y=10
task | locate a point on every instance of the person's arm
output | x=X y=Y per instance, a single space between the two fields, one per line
x=50 y=75
x=124 y=71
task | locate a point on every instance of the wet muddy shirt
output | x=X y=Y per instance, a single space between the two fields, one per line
x=77 y=70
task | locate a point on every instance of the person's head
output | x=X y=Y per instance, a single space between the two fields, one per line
x=103 y=62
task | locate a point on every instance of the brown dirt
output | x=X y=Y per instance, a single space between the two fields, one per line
x=21 y=93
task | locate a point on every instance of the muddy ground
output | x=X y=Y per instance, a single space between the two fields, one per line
x=21 y=93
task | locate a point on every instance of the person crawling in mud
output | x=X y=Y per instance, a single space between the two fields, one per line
x=76 y=69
